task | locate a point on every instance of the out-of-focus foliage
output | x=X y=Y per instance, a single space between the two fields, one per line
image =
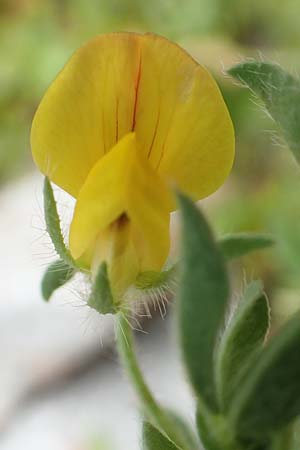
x=239 y=244
x=279 y=92
x=252 y=395
x=203 y=277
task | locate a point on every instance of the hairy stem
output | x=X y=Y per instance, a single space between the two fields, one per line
x=150 y=408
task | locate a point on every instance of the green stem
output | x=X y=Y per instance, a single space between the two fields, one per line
x=150 y=407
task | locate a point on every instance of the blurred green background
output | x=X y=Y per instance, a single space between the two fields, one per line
x=263 y=192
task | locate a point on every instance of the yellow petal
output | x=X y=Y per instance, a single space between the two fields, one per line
x=88 y=107
x=121 y=82
x=123 y=183
x=182 y=122
x=115 y=245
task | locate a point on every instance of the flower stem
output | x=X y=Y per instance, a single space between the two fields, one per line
x=150 y=408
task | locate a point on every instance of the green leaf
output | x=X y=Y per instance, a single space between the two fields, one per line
x=154 y=439
x=101 y=298
x=203 y=294
x=269 y=396
x=240 y=244
x=207 y=434
x=244 y=335
x=280 y=93
x=284 y=439
x=53 y=224
x=184 y=429
x=214 y=432
x=56 y=275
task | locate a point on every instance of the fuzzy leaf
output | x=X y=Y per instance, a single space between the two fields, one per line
x=280 y=93
x=207 y=434
x=56 y=275
x=214 y=432
x=101 y=298
x=244 y=335
x=269 y=397
x=184 y=429
x=240 y=244
x=284 y=439
x=53 y=224
x=154 y=440
x=203 y=294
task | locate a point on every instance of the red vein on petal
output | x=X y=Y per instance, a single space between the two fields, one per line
x=117 y=120
x=103 y=132
x=137 y=85
x=166 y=137
x=155 y=133
x=160 y=158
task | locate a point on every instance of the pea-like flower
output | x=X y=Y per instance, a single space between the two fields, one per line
x=128 y=118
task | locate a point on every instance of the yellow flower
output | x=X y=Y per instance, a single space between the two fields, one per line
x=129 y=117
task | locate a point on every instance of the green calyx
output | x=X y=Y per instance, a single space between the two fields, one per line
x=101 y=298
x=153 y=280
